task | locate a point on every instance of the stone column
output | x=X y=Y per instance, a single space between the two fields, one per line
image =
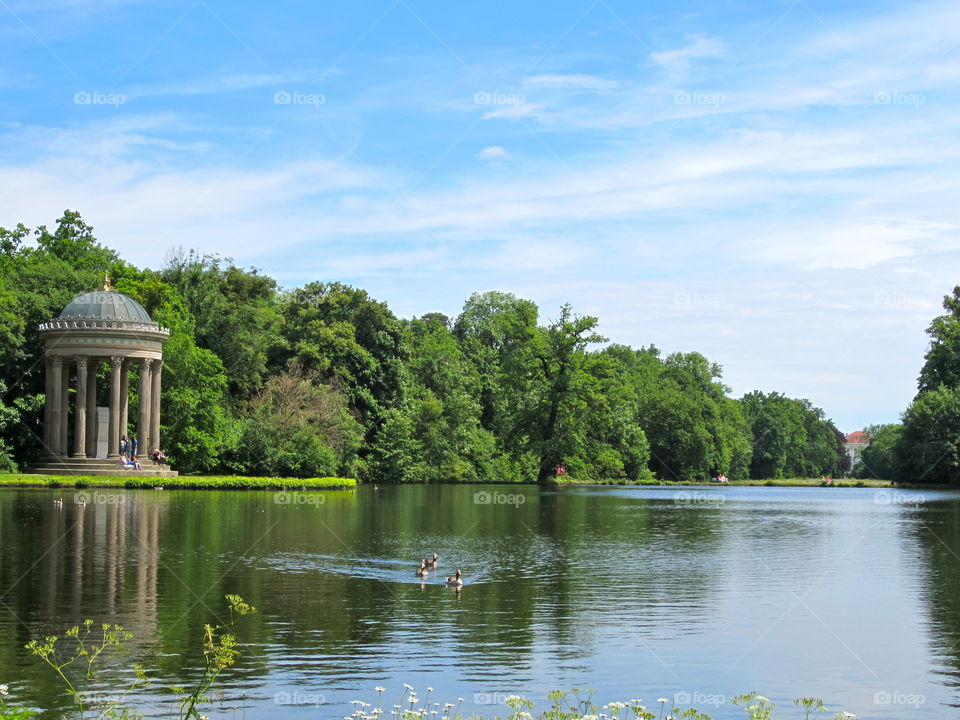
x=155 y=408
x=56 y=370
x=124 y=397
x=92 y=366
x=113 y=442
x=62 y=448
x=80 y=410
x=48 y=407
x=143 y=422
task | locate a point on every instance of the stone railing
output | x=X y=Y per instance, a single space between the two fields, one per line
x=103 y=325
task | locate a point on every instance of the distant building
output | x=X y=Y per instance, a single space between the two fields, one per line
x=855 y=443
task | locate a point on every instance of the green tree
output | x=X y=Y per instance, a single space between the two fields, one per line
x=791 y=438
x=695 y=430
x=445 y=412
x=929 y=446
x=351 y=339
x=879 y=458
x=297 y=427
x=235 y=315
x=557 y=420
x=942 y=362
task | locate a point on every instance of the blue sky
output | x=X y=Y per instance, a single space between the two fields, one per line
x=772 y=183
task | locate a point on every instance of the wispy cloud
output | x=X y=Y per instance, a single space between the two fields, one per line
x=698 y=47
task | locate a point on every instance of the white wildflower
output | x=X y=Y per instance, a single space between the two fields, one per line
x=4 y=690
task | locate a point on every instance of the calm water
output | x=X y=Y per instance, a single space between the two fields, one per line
x=849 y=594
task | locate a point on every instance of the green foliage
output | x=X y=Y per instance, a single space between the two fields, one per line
x=350 y=340
x=297 y=426
x=942 y=362
x=9 y=416
x=695 y=430
x=791 y=438
x=879 y=459
x=325 y=380
x=235 y=312
x=927 y=447
x=929 y=443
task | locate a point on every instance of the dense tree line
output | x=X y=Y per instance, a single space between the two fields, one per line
x=325 y=380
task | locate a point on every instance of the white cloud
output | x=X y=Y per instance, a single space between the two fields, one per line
x=494 y=152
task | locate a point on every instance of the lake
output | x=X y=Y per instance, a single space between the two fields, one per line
x=698 y=594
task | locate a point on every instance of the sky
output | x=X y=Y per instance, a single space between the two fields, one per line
x=773 y=184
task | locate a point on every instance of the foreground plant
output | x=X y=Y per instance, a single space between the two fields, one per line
x=76 y=665
x=11 y=712
x=79 y=657
x=576 y=705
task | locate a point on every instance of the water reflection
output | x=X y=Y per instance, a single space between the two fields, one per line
x=637 y=592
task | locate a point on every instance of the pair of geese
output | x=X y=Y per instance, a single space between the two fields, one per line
x=428 y=564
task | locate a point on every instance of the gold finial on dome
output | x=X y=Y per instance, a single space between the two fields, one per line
x=107 y=287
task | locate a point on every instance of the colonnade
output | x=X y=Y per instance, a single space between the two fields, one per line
x=57 y=406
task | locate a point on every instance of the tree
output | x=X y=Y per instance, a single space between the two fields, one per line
x=929 y=447
x=942 y=362
x=443 y=387
x=8 y=417
x=348 y=337
x=556 y=421
x=791 y=438
x=879 y=458
x=695 y=430
x=235 y=314
x=297 y=427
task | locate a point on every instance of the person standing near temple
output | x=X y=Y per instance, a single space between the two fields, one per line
x=134 y=445
x=123 y=446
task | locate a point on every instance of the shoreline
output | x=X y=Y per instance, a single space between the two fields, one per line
x=230 y=482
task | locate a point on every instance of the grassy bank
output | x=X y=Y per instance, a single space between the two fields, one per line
x=193 y=482
x=232 y=482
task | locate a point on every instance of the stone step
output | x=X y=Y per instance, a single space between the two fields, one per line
x=95 y=466
x=118 y=472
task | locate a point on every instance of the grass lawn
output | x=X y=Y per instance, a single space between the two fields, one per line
x=199 y=482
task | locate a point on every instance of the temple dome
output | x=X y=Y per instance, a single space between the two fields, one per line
x=105 y=304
